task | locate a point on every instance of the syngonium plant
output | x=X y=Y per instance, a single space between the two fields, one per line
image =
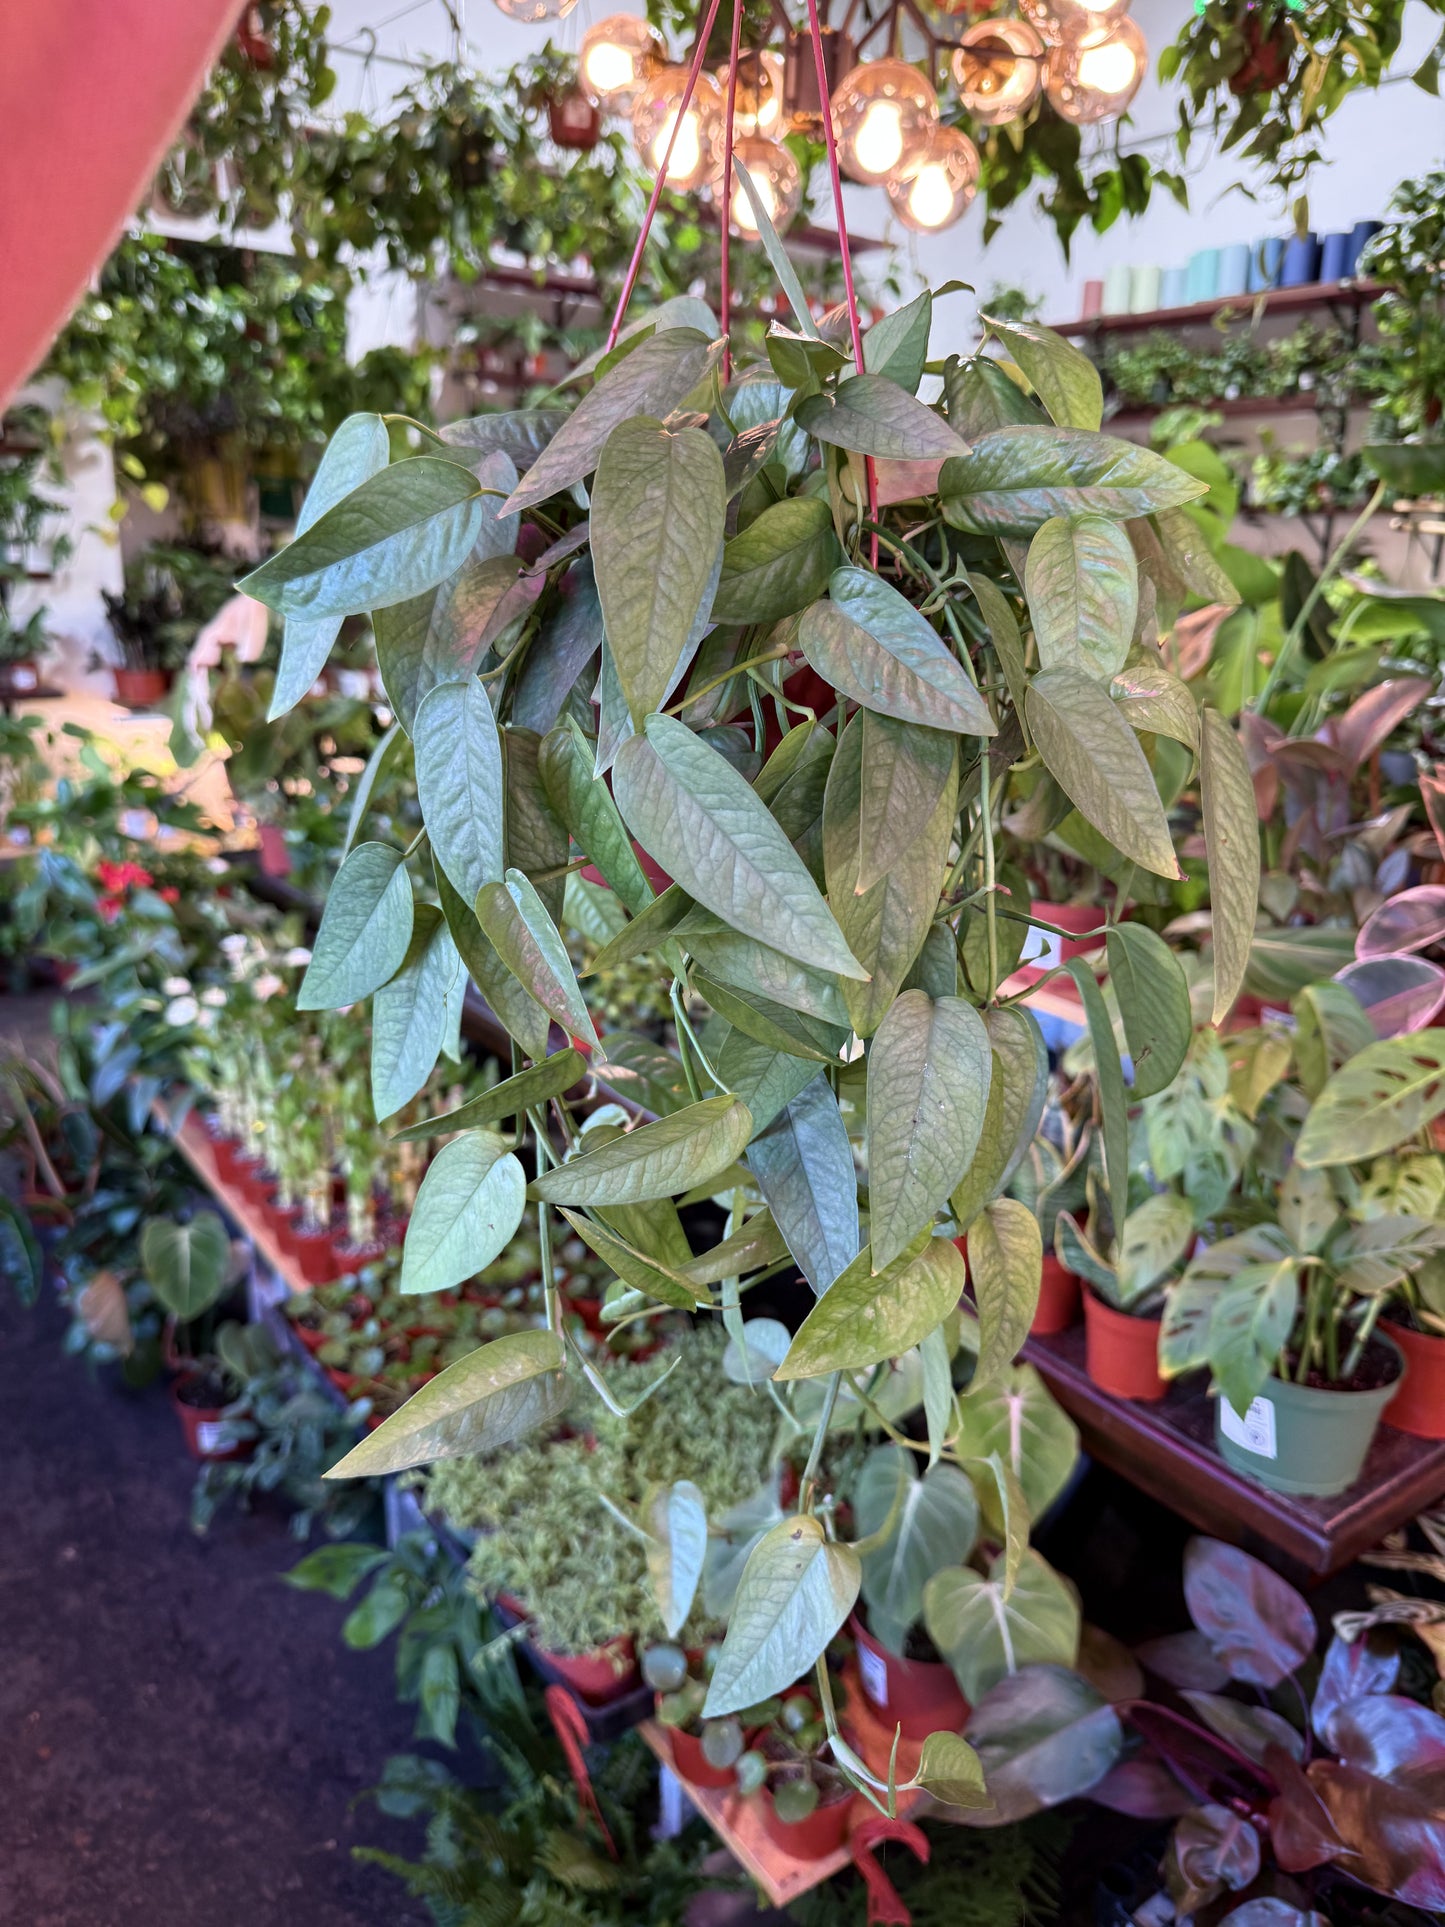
x=591 y=620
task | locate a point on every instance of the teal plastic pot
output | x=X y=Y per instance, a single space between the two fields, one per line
x=1302 y=1439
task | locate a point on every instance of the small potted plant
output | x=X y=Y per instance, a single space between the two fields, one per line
x=1051 y=1179
x=170 y=592
x=1124 y=1296
x=187 y=1263
x=805 y=1802
x=704 y=1752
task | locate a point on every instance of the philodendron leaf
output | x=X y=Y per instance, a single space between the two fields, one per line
x=1062 y=376
x=467 y=1210
x=658 y=503
x=409 y=1017
x=929 y=1067
x=871 y=643
x=951 y=1772
x=1044 y=1736
x=986 y=1633
x=778 y=563
x=1015 y=479
x=804 y=1167
x=1231 y=838
x=897 y=346
x=357 y=451
x=399 y=533
x=485 y=1400
x=186 y=1265
x=796 y=1590
x=656 y=1161
x=460 y=785
x=515 y=921
x=677 y=1527
x=1018 y=1086
x=1005 y=1261
x=1153 y=996
x=1376 y=1101
x=865 y=1317
x=1082 y=584
x=693 y=812
x=927 y=1523
x=365 y=930
x=871 y=415
x=654 y=379
x=535 y=1085
x=1017 y=1418
x=1095 y=758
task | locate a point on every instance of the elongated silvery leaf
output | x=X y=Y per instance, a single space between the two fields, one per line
x=467 y=1210
x=1153 y=997
x=796 y=1590
x=779 y=259
x=700 y=820
x=1005 y=1262
x=521 y=433
x=519 y=1011
x=365 y=930
x=568 y=640
x=1017 y=1089
x=865 y=1316
x=585 y=805
x=401 y=532
x=459 y=783
x=804 y=1167
x=1231 y=836
x=536 y=833
x=653 y=380
x=778 y=563
x=441 y=636
x=872 y=644
x=534 y=1085
x=1062 y=376
x=409 y=1018
x=1113 y=1099
x=906 y=771
x=644 y=1274
x=658 y=504
x=929 y=1067
x=515 y=921
x=1095 y=758
x=764 y=1077
x=1082 y=583
x=871 y=415
x=656 y=1161
x=1016 y=478
x=677 y=1522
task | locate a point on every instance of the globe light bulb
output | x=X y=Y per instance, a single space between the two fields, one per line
x=939 y=192
x=884 y=116
x=758 y=104
x=697 y=150
x=1061 y=20
x=534 y=11
x=775 y=175
x=998 y=69
x=617 y=56
x=1094 y=76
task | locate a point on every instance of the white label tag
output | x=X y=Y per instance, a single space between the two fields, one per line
x=1042 y=948
x=1255 y=1431
x=874 y=1674
x=672 y=1806
x=213 y=1435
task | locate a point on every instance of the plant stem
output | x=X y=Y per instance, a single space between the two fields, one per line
x=738 y=669
x=825 y=1419
x=990 y=908
x=550 y=1292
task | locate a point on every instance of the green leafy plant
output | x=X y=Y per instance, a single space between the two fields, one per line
x=1408 y=375
x=28 y=525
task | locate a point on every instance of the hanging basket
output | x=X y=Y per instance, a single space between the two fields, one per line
x=574 y=121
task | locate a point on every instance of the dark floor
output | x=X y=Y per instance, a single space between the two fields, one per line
x=182 y=1737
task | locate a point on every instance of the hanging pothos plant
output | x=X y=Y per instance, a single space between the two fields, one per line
x=835 y=660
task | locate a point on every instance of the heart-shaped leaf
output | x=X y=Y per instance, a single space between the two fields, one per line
x=658 y=1160
x=365 y=930
x=865 y=1317
x=927 y=1523
x=871 y=643
x=803 y=1163
x=951 y=1772
x=1062 y=376
x=1257 y=1623
x=519 y=1011
x=459 y=783
x=986 y=1632
x=872 y=415
x=467 y=1210
x=1016 y=1417
x=778 y=563
x=1018 y=1085
x=1013 y=480
x=410 y=1016
x=796 y=1590
x=1095 y=758
x=1044 y=1736
x=186 y=1265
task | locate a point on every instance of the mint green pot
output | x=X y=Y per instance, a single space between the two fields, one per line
x=1300 y=1439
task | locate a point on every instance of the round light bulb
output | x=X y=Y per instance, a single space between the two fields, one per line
x=758 y=103
x=998 y=69
x=534 y=11
x=884 y=116
x=697 y=151
x=775 y=175
x=616 y=57
x=1061 y=20
x=1095 y=76
x=939 y=192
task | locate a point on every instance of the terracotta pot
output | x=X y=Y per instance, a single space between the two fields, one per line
x=228 y=1155
x=919 y=1695
x=573 y=121
x=1122 y=1353
x=141 y=688
x=312 y=1340
x=822 y=1833
x=1418 y=1407
x=692 y=1764
x=275 y=856
x=202 y=1425
x=597 y=1677
x=316 y=1255
x=20 y=678
x=284 y=1220
x=1058 y=1299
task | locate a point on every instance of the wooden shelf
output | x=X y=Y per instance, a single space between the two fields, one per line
x=1248 y=406
x=194 y=1145
x=1318 y=294
x=1167 y=1450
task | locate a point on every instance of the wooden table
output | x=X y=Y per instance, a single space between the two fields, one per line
x=1167 y=1450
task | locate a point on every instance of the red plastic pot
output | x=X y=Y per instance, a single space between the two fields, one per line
x=692 y=1764
x=573 y=121
x=350 y=1258
x=1122 y=1353
x=311 y=1339
x=1058 y=1299
x=822 y=1833
x=284 y=1220
x=141 y=688
x=1419 y=1405
x=203 y=1426
x=228 y=1155
x=919 y=1695
x=316 y=1255
x=652 y=870
x=597 y=1677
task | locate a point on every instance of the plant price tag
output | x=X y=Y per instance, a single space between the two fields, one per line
x=1255 y=1431
x=874 y=1674
x=213 y=1435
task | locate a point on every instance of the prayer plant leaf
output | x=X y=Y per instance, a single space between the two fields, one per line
x=467 y=1210
x=1384 y=1095
x=460 y=784
x=655 y=1161
x=658 y=503
x=803 y=1163
x=1082 y=584
x=697 y=817
x=1231 y=839
x=536 y=1085
x=1005 y=1262
x=1153 y=997
x=365 y=930
x=515 y=921
x=865 y=1317
x=796 y=1590
x=1013 y=480
x=487 y=1399
x=778 y=563
x=1062 y=376
x=871 y=643
x=929 y=1066
x=986 y=1633
x=872 y=415
x=1095 y=758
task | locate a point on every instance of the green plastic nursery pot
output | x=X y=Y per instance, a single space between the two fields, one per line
x=1418 y=1406
x=1306 y=1439
x=1122 y=1352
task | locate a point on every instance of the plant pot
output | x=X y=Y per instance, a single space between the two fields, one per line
x=1122 y=1352
x=1058 y=1307
x=573 y=121
x=598 y=1677
x=822 y=1833
x=311 y=1337
x=141 y=688
x=1418 y=1406
x=206 y=1433
x=19 y=678
x=229 y=1156
x=919 y=1695
x=316 y=1255
x=352 y=1258
x=1306 y=1439
x=693 y=1765
x=284 y=1220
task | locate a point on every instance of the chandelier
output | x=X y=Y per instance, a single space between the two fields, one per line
x=912 y=87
